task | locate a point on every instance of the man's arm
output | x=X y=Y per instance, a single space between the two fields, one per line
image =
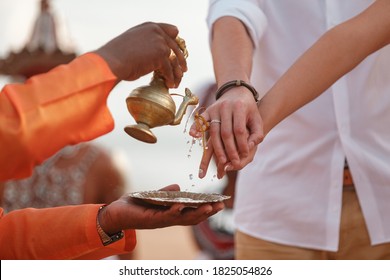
x=67 y=232
x=67 y=105
x=240 y=127
x=71 y=232
x=64 y=106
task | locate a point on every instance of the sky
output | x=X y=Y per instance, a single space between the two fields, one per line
x=86 y=25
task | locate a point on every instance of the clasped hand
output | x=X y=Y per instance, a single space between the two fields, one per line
x=232 y=141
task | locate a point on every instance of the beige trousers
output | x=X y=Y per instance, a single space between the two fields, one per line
x=354 y=241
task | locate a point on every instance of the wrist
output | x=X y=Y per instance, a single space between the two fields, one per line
x=236 y=83
x=267 y=113
x=112 y=63
x=107 y=235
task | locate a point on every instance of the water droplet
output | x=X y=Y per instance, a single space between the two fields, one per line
x=191 y=176
x=190 y=116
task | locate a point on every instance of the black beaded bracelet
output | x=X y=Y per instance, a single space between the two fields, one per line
x=236 y=83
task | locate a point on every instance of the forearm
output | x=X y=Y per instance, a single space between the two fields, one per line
x=232 y=50
x=67 y=232
x=64 y=106
x=333 y=55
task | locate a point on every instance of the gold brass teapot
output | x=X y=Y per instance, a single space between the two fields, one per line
x=153 y=106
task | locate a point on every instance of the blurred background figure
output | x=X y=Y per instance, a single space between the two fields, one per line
x=215 y=236
x=83 y=173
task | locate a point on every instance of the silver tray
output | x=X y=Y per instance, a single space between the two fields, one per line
x=167 y=198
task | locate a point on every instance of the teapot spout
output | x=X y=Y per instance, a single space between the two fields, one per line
x=188 y=99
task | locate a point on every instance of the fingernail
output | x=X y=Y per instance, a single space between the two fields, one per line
x=200 y=173
x=228 y=167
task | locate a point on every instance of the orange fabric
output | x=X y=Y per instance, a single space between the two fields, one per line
x=28 y=234
x=65 y=106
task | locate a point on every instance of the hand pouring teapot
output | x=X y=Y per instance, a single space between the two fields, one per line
x=153 y=106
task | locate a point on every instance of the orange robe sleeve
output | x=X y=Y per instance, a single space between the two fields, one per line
x=64 y=106
x=67 y=232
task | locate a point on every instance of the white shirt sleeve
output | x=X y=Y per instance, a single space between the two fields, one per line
x=248 y=12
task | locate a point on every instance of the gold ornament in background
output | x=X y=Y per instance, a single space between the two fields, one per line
x=152 y=105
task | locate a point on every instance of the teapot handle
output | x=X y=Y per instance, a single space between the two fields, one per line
x=182 y=45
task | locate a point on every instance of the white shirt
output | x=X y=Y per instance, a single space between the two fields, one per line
x=291 y=193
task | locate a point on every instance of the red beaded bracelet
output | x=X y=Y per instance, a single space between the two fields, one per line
x=236 y=83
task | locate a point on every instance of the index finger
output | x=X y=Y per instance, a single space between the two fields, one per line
x=171 y=30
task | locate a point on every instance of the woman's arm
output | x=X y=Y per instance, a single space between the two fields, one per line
x=336 y=53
